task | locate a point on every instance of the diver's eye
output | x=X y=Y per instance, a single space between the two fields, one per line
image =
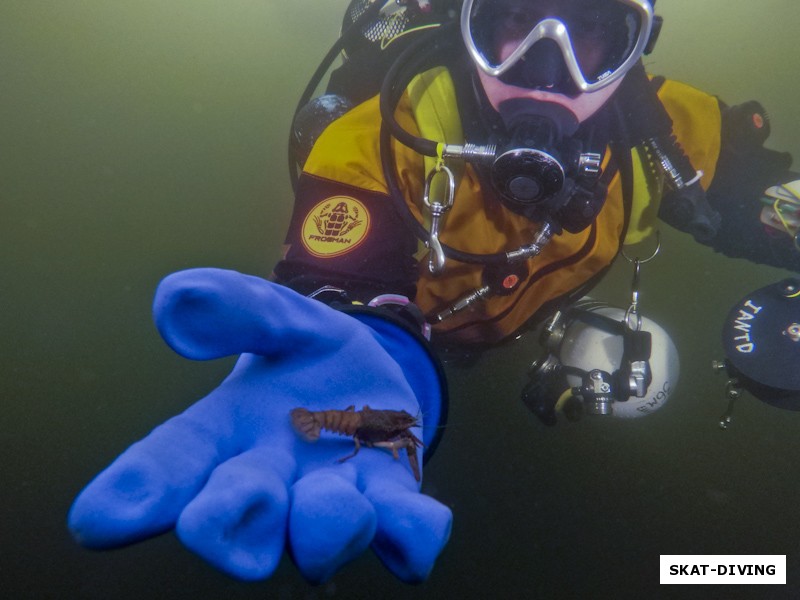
x=588 y=24
x=516 y=23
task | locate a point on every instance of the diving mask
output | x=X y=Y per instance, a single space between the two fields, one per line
x=593 y=42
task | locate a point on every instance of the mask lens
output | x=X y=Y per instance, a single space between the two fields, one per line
x=596 y=37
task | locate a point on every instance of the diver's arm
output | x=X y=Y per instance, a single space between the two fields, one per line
x=345 y=231
x=347 y=238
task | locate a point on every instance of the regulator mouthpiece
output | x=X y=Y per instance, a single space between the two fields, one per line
x=530 y=169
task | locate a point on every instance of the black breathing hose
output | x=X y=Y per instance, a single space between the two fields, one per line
x=405 y=67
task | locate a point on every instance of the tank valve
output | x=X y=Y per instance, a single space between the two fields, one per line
x=596 y=393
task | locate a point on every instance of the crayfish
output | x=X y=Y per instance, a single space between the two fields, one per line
x=372 y=428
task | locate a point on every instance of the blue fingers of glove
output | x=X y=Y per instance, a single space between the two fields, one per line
x=142 y=493
x=331 y=522
x=238 y=521
x=209 y=313
x=412 y=529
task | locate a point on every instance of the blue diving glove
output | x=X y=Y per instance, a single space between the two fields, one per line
x=232 y=476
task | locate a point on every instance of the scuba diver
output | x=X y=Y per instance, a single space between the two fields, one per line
x=472 y=171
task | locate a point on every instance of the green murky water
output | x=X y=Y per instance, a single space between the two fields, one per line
x=139 y=138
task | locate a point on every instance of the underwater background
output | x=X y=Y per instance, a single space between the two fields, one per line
x=142 y=137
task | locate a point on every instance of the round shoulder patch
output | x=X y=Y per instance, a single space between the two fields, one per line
x=335 y=226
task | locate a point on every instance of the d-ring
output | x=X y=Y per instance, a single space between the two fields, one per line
x=649 y=258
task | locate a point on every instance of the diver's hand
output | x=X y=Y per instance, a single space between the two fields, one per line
x=781 y=211
x=232 y=476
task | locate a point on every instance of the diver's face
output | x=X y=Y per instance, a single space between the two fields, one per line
x=589 y=24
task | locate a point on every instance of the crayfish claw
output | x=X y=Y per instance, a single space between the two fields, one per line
x=409 y=443
x=411 y=450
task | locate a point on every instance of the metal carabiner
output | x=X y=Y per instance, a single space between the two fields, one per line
x=633 y=320
x=438 y=209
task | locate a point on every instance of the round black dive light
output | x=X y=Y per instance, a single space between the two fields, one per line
x=761 y=338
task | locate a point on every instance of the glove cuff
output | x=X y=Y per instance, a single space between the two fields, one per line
x=408 y=345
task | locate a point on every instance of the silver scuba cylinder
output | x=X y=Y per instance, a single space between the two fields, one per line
x=590 y=366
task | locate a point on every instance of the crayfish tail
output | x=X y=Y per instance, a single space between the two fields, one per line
x=306 y=424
